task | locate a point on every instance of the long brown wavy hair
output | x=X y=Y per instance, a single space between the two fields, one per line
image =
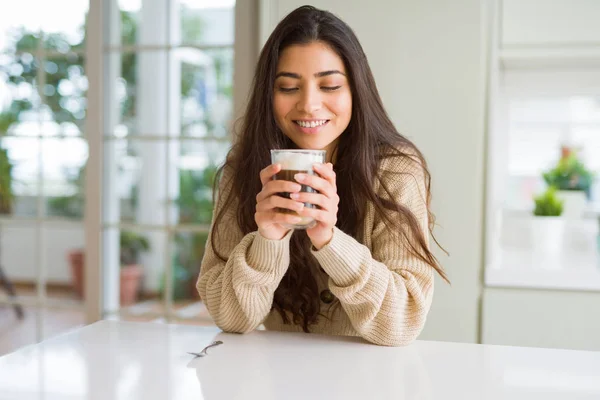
x=369 y=138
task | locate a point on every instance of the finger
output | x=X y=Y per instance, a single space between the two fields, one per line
x=326 y=171
x=272 y=217
x=267 y=173
x=322 y=216
x=316 y=199
x=316 y=182
x=273 y=187
x=279 y=202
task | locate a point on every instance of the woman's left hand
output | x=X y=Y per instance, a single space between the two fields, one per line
x=327 y=200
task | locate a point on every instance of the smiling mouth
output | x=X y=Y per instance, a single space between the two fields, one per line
x=311 y=124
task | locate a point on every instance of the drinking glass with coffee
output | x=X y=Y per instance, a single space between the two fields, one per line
x=295 y=161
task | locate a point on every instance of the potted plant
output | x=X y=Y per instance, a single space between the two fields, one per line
x=572 y=180
x=132 y=245
x=548 y=225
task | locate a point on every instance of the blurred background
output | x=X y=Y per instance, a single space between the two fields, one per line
x=115 y=114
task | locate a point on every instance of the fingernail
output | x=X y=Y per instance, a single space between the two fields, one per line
x=300 y=177
x=294 y=196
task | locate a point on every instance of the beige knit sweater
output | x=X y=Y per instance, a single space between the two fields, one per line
x=384 y=292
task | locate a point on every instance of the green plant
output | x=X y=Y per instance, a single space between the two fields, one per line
x=132 y=245
x=548 y=204
x=195 y=195
x=6 y=192
x=569 y=174
x=7 y=197
x=72 y=205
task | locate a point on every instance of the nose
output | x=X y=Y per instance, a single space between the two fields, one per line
x=309 y=102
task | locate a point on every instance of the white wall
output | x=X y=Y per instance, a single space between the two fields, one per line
x=19 y=246
x=428 y=60
x=543 y=23
x=245 y=53
x=552 y=318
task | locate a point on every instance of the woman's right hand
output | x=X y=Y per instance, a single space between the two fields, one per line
x=267 y=201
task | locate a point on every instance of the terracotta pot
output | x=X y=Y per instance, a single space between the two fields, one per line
x=76 y=258
x=130 y=278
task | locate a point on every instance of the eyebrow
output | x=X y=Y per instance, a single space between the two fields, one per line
x=317 y=75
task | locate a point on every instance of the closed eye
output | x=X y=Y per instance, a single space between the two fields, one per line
x=330 y=88
x=287 y=90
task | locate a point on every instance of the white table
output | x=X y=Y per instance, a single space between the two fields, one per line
x=122 y=360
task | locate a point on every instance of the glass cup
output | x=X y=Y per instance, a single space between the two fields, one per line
x=294 y=162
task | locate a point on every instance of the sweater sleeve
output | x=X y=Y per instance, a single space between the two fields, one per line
x=238 y=293
x=386 y=292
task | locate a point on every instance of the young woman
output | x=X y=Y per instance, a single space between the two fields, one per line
x=366 y=268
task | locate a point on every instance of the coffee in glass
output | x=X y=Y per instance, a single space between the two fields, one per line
x=296 y=161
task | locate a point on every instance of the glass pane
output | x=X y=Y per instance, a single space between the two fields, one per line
x=64 y=95
x=19 y=174
x=64 y=245
x=139 y=179
x=63 y=164
x=139 y=93
x=22 y=22
x=144 y=22
x=197 y=166
x=188 y=250
x=206 y=91
x=19 y=97
x=65 y=30
x=18 y=256
x=142 y=259
x=207 y=22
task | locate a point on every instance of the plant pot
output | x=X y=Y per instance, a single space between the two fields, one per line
x=131 y=275
x=547 y=235
x=575 y=202
x=130 y=278
x=76 y=260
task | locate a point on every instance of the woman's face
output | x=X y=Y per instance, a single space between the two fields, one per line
x=312 y=100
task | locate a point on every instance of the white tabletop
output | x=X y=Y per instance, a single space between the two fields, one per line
x=123 y=360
